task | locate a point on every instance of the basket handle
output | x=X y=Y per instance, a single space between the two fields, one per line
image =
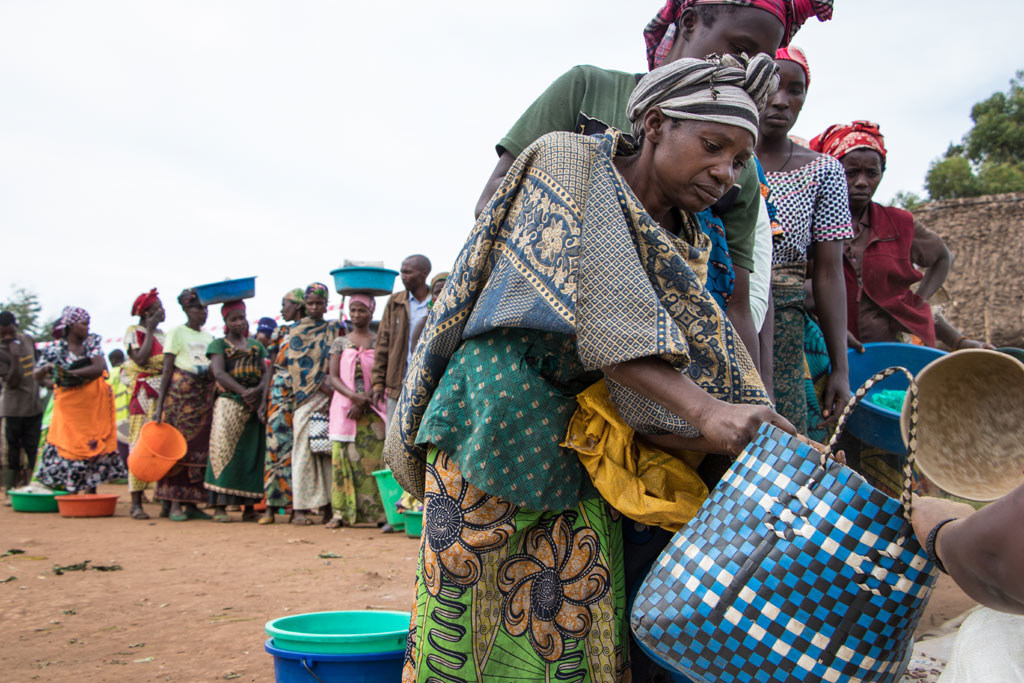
x=908 y=467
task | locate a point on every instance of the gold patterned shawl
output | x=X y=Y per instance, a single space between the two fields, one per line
x=565 y=246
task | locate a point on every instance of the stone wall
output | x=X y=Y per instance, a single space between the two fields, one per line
x=986 y=284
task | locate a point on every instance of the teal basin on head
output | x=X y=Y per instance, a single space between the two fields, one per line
x=353 y=632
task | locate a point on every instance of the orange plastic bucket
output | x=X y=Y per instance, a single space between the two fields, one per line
x=159 y=447
x=87 y=505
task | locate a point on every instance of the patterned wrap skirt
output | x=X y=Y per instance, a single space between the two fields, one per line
x=354 y=494
x=277 y=475
x=188 y=406
x=144 y=390
x=788 y=369
x=503 y=592
x=234 y=472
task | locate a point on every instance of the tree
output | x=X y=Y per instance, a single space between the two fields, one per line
x=910 y=201
x=24 y=304
x=991 y=158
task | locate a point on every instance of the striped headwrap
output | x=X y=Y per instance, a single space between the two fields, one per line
x=296 y=296
x=730 y=90
x=144 y=301
x=317 y=289
x=795 y=54
x=838 y=140
x=660 y=33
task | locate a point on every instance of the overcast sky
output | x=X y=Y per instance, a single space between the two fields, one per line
x=171 y=144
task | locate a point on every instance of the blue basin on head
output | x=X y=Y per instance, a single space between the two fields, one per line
x=228 y=290
x=872 y=424
x=357 y=279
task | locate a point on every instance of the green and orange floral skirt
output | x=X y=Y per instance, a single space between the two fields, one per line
x=507 y=593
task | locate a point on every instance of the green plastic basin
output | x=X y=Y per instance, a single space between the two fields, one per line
x=355 y=632
x=414 y=523
x=390 y=492
x=34 y=502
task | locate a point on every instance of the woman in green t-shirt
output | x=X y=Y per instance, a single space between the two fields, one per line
x=186 y=403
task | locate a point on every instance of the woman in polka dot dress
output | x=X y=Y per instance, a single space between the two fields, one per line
x=810 y=194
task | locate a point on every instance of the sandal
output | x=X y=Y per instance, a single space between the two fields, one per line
x=265 y=519
x=303 y=521
x=335 y=523
x=196 y=513
x=138 y=513
x=222 y=517
x=179 y=517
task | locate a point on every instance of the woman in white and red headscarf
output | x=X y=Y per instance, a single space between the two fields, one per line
x=356 y=423
x=660 y=34
x=881 y=262
x=81 y=445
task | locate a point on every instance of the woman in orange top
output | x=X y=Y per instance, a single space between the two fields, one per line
x=81 y=446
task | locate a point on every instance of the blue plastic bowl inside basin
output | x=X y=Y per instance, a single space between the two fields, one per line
x=353 y=279
x=872 y=424
x=228 y=290
x=305 y=667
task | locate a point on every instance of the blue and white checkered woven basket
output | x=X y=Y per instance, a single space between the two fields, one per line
x=795 y=569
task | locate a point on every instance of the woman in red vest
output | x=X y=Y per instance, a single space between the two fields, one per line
x=880 y=262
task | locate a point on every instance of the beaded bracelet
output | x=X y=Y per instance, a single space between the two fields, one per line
x=929 y=543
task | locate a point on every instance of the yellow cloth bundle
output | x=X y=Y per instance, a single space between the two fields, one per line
x=643 y=483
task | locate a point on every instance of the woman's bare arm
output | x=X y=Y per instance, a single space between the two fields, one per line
x=982 y=551
x=726 y=428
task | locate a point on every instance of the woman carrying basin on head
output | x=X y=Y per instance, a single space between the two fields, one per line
x=186 y=402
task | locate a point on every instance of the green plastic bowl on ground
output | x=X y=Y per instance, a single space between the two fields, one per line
x=341 y=633
x=414 y=523
x=390 y=492
x=23 y=501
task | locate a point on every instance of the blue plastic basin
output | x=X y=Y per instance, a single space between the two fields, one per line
x=302 y=667
x=872 y=424
x=228 y=290
x=357 y=279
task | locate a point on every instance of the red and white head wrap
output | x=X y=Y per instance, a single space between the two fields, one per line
x=69 y=316
x=795 y=54
x=838 y=140
x=661 y=31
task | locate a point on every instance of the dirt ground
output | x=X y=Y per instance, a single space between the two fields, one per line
x=191 y=599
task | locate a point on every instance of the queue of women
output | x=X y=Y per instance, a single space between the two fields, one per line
x=663 y=264
x=245 y=408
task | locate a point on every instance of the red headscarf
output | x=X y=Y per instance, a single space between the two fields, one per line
x=795 y=54
x=144 y=301
x=839 y=140
x=661 y=31
x=232 y=306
